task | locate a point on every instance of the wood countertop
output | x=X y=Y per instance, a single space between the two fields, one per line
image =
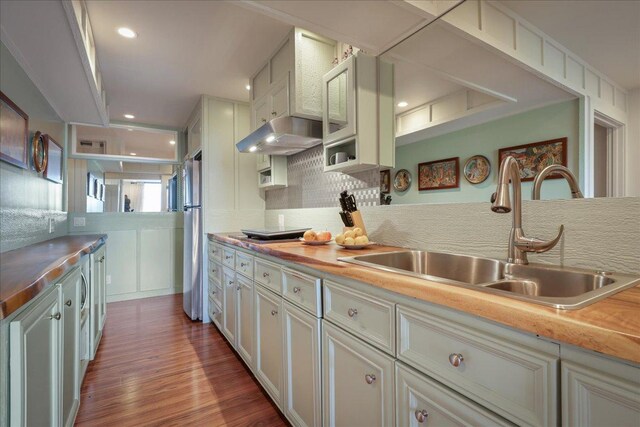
x=610 y=326
x=26 y=272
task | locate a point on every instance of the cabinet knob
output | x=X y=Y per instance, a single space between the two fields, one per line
x=456 y=359
x=274 y=312
x=244 y=264
x=264 y=120
x=239 y=287
x=274 y=113
x=68 y=303
x=421 y=416
x=228 y=256
x=352 y=312
x=230 y=282
x=265 y=274
x=296 y=290
x=370 y=378
x=56 y=316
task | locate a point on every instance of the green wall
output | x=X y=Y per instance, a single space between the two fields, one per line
x=554 y=121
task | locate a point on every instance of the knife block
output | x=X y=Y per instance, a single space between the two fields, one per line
x=357 y=223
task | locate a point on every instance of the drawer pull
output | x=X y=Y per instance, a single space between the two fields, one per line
x=265 y=274
x=421 y=416
x=274 y=312
x=370 y=378
x=56 y=316
x=352 y=312
x=455 y=359
x=296 y=290
x=68 y=303
x=244 y=264
x=230 y=282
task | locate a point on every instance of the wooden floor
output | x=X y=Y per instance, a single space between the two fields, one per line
x=156 y=367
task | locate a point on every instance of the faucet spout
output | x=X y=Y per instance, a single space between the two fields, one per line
x=561 y=170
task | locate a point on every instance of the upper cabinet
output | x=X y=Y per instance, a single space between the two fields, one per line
x=358 y=119
x=290 y=83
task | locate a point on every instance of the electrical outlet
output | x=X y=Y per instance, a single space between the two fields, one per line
x=281 y=221
x=52 y=225
x=79 y=221
x=108 y=280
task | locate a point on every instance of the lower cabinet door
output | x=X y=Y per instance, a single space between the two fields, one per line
x=302 y=381
x=268 y=355
x=244 y=335
x=35 y=365
x=422 y=401
x=229 y=306
x=358 y=381
x=71 y=347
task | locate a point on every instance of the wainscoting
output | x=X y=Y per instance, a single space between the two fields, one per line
x=144 y=252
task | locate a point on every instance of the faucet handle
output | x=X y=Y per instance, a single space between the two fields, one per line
x=531 y=244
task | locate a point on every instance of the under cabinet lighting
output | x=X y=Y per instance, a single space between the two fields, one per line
x=172 y=142
x=129 y=116
x=127 y=33
x=252 y=149
x=133 y=154
x=402 y=104
x=270 y=138
x=130 y=130
x=248 y=87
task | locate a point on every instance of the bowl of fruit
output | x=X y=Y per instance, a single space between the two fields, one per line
x=315 y=238
x=353 y=239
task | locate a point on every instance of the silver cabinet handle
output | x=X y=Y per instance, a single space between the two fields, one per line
x=352 y=312
x=296 y=289
x=68 y=303
x=456 y=359
x=86 y=291
x=370 y=378
x=421 y=416
x=56 y=316
x=274 y=312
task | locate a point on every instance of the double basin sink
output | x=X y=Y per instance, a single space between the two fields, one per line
x=559 y=287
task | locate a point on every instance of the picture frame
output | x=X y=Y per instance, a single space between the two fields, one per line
x=55 y=157
x=476 y=169
x=534 y=157
x=385 y=181
x=439 y=174
x=39 y=153
x=14 y=133
x=402 y=180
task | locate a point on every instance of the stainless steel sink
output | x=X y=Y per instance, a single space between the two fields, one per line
x=559 y=287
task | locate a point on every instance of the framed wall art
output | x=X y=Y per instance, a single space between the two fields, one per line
x=53 y=171
x=385 y=181
x=14 y=133
x=439 y=174
x=402 y=180
x=532 y=158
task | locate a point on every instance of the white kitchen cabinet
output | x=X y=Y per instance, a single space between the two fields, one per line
x=194 y=132
x=35 y=361
x=275 y=176
x=423 y=401
x=263 y=162
x=268 y=332
x=358 y=381
x=229 y=305
x=70 y=289
x=98 y=297
x=261 y=111
x=598 y=391
x=302 y=379
x=244 y=319
x=358 y=114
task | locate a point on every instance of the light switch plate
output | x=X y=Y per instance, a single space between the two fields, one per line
x=52 y=225
x=281 y=221
x=108 y=279
x=79 y=221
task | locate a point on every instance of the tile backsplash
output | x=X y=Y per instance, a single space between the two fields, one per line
x=310 y=187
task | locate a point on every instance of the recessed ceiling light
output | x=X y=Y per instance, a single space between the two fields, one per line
x=253 y=148
x=248 y=87
x=127 y=32
x=270 y=138
x=402 y=104
x=133 y=154
x=172 y=142
x=129 y=116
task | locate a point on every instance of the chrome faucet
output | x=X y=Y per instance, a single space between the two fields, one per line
x=566 y=174
x=519 y=244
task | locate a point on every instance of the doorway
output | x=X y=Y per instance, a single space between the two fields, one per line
x=608 y=157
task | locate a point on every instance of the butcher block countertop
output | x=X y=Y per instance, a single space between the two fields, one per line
x=610 y=326
x=26 y=272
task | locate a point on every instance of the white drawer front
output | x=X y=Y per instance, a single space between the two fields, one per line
x=244 y=264
x=215 y=292
x=215 y=313
x=215 y=251
x=369 y=317
x=229 y=257
x=423 y=401
x=215 y=272
x=303 y=290
x=514 y=381
x=269 y=275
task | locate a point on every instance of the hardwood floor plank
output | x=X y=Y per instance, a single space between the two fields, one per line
x=156 y=367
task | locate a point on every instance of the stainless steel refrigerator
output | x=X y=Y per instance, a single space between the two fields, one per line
x=192 y=276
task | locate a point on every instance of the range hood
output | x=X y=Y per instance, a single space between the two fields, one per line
x=283 y=136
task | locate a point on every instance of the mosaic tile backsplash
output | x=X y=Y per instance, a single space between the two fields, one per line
x=310 y=187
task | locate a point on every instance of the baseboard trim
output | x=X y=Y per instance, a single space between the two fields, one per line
x=143 y=294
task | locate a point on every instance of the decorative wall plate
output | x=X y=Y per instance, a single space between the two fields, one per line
x=477 y=169
x=39 y=147
x=402 y=180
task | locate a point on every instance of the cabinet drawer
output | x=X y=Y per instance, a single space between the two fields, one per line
x=515 y=381
x=215 y=291
x=269 y=275
x=215 y=272
x=215 y=313
x=302 y=290
x=423 y=401
x=367 y=316
x=244 y=264
x=229 y=257
x=215 y=251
